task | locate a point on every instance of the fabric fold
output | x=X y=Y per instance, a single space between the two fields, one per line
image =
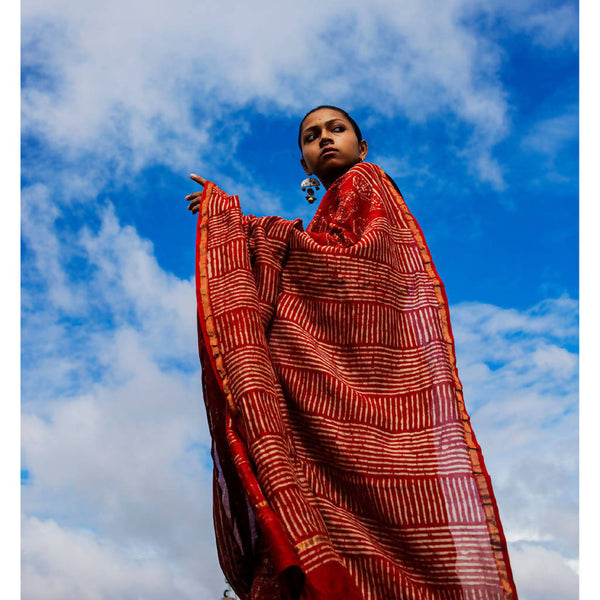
x=345 y=463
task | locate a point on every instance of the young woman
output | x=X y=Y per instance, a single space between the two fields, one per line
x=345 y=464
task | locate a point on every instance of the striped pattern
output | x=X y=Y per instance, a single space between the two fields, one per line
x=336 y=373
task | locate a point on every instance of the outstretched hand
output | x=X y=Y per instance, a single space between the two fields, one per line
x=194 y=199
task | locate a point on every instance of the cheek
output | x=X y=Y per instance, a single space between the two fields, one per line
x=310 y=157
x=352 y=146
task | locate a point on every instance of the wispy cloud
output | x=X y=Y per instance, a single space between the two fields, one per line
x=147 y=85
x=113 y=428
x=551 y=137
x=520 y=372
x=549 y=24
x=119 y=464
x=118 y=496
x=555 y=27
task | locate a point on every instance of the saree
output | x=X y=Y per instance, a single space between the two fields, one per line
x=345 y=465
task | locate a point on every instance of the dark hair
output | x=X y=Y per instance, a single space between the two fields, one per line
x=352 y=122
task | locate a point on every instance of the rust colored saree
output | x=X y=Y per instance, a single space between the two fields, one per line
x=345 y=464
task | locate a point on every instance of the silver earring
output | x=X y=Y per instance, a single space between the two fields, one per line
x=307 y=186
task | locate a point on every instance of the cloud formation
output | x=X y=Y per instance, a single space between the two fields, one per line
x=60 y=562
x=113 y=428
x=147 y=84
x=520 y=373
x=119 y=463
x=118 y=500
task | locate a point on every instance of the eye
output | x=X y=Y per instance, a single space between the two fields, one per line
x=309 y=138
x=338 y=129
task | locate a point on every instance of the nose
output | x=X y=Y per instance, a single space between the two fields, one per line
x=325 y=139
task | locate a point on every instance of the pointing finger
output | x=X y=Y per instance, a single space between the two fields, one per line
x=198 y=179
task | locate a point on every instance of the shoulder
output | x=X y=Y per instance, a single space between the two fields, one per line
x=375 y=176
x=368 y=168
x=359 y=172
x=366 y=174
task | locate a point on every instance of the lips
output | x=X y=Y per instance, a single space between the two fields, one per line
x=327 y=151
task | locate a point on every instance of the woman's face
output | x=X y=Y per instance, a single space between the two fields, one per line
x=329 y=145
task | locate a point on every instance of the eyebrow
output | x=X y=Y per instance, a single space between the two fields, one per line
x=327 y=124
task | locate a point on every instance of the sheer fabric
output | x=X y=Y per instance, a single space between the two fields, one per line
x=345 y=463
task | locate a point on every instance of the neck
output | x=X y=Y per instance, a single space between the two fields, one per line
x=329 y=178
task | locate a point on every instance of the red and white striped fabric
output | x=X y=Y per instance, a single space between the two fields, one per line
x=345 y=463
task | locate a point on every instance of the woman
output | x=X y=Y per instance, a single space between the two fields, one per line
x=345 y=464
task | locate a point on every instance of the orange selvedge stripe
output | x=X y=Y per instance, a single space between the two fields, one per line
x=268 y=521
x=206 y=320
x=484 y=484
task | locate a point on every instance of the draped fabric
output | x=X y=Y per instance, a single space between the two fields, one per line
x=345 y=463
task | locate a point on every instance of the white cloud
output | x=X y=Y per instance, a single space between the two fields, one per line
x=60 y=563
x=548 y=24
x=143 y=84
x=39 y=216
x=126 y=271
x=113 y=428
x=129 y=458
x=114 y=434
x=550 y=136
x=520 y=370
x=560 y=581
x=555 y=27
x=115 y=439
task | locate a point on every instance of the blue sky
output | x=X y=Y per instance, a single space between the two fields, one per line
x=471 y=106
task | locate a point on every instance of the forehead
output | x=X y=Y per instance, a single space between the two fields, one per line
x=322 y=116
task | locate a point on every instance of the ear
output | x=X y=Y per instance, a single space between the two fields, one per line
x=305 y=167
x=363 y=148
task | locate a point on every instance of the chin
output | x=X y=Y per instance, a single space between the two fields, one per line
x=337 y=164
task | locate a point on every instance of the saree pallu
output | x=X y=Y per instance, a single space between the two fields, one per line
x=346 y=467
